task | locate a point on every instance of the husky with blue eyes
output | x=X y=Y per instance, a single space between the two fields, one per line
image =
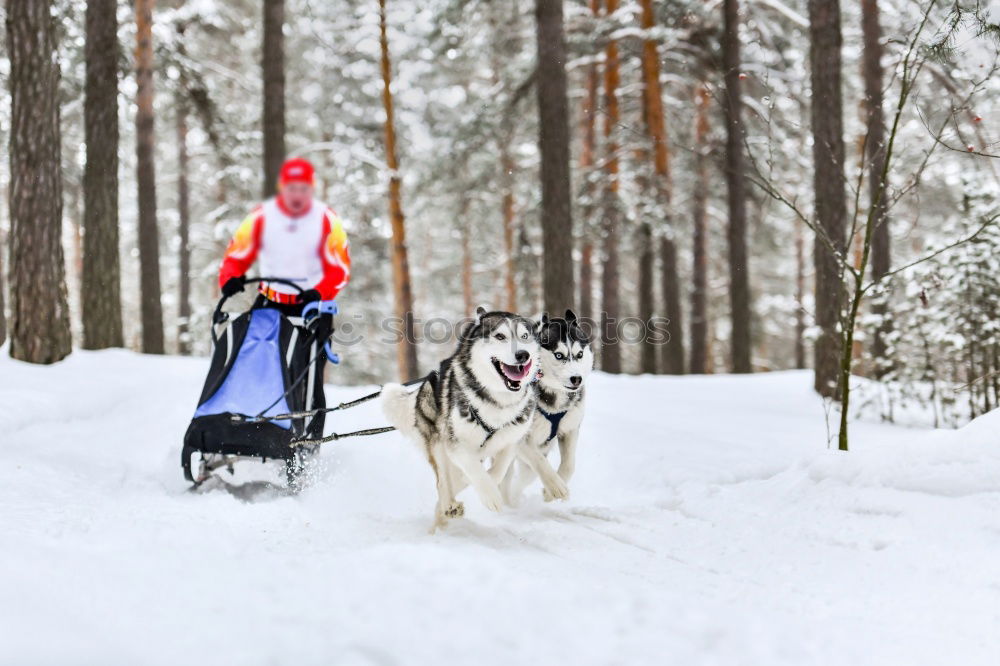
x=478 y=404
x=566 y=360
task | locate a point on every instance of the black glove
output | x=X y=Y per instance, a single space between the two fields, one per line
x=233 y=286
x=309 y=296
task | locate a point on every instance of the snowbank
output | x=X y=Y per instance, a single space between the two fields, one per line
x=709 y=524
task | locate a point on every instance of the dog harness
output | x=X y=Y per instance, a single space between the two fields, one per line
x=554 y=421
x=490 y=430
x=474 y=413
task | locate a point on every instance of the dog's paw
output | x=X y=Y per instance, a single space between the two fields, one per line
x=491 y=498
x=559 y=491
x=446 y=512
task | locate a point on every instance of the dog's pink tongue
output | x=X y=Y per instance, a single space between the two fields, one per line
x=516 y=373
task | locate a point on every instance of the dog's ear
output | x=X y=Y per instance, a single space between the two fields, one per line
x=541 y=323
x=579 y=329
x=480 y=311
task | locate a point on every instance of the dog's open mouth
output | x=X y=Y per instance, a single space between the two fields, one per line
x=512 y=375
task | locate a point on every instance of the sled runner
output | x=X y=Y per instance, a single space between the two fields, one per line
x=264 y=365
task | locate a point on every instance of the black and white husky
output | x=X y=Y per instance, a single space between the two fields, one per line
x=479 y=404
x=566 y=359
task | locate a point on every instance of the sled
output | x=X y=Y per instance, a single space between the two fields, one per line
x=264 y=365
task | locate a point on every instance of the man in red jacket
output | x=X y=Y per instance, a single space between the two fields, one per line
x=292 y=236
x=297 y=238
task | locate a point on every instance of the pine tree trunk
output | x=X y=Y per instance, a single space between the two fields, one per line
x=100 y=289
x=611 y=360
x=739 y=279
x=881 y=249
x=73 y=190
x=553 y=143
x=673 y=351
x=510 y=264
x=502 y=50
x=40 y=331
x=800 y=296
x=699 y=264
x=3 y=281
x=527 y=271
x=673 y=362
x=149 y=242
x=647 y=252
x=828 y=181
x=273 y=65
x=184 y=229
x=468 y=298
x=402 y=288
x=585 y=310
x=3 y=272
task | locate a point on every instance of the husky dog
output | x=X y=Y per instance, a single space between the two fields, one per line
x=479 y=404
x=567 y=359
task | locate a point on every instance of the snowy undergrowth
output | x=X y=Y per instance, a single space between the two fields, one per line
x=708 y=524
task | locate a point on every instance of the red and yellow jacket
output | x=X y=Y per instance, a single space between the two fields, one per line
x=311 y=250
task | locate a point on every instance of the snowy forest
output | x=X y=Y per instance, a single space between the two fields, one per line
x=786 y=184
x=740 y=237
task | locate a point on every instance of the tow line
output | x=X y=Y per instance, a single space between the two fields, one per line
x=332 y=437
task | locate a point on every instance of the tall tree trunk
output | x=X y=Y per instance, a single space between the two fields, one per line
x=402 y=289
x=510 y=264
x=699 y=268
x=502 y=49
x=273 y=65
x=527 y=270
x=586 y=308
x=553 y=144
x=611 y=360
x=73 y=189
x=589 y=132
x=149 y=242
x=3 y=281
x=673 y=361
x=673 y=351
x=100 y=289
x=647 y=253
x=800 y=296
x=184 y=219
x=468 y=298
x=40 y=331
x=739 y=279
x=875 y=149
x=3 y=272
x=829 y=184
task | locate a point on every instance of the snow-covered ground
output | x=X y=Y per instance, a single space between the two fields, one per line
x=708 y=524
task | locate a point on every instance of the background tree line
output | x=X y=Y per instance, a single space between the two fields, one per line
x=631 y=159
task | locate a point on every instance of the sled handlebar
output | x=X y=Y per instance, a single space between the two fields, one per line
x=219 y=316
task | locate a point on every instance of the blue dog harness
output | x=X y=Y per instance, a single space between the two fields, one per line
x=554 y=421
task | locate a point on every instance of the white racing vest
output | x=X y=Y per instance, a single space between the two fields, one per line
x=290 y=247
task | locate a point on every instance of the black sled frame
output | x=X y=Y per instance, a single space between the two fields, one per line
x=222 y=433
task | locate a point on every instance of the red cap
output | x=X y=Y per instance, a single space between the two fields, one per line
x=297 y=170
